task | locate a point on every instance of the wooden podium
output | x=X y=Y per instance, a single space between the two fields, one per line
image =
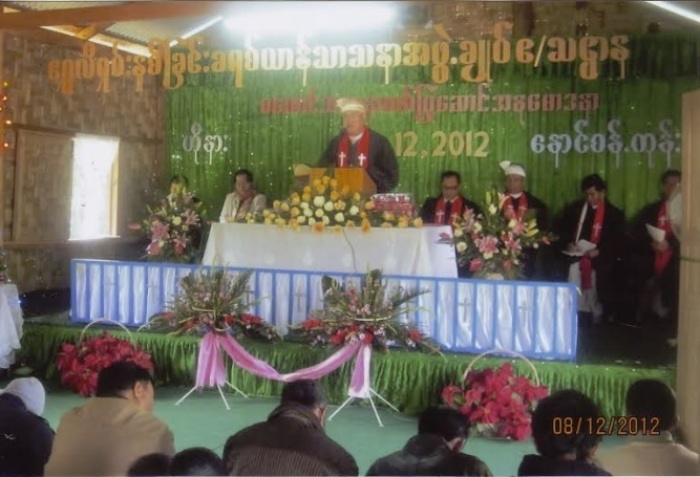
x=355 y=178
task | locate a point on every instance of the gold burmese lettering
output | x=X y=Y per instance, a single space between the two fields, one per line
x=139 y=71
x=277 y=59
x=417 y=54
x=117 y=64
x=103 y=73
x=361 y=56
x=501 y=46
x=177 y=70
x=194 y=56
x=475 y=61
x=158 y=57
x=388 y=55
x=619 y=51
x=85 y=68
x=588 y=69
x=235 y=64
x=563 y=50
x=440 y=72
x=251 y=59
x=218 y=62
x=523 y=51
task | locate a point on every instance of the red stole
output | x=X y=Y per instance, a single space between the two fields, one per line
x=522 y=207
x=661 y=259
x=586 y=265
x=342 y=157
x=455 y=210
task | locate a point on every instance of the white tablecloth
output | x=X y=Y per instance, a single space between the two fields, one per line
x=408 y=252
x=10 y=324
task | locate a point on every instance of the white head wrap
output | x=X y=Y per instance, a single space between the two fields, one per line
x=347 y=105
x=512 y=169
x=30 y=391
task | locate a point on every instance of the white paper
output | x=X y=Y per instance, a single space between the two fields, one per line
x=656 y=234
x=582 y=247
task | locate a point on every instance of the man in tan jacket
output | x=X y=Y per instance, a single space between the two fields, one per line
x=109 y=432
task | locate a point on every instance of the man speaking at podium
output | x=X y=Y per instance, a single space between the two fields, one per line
x=359 y=146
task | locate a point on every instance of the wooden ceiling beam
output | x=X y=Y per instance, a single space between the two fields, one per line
x=111 y=13
x=92 y=30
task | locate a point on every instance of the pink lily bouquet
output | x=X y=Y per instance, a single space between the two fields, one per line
x=175 y=226
x=493 y=244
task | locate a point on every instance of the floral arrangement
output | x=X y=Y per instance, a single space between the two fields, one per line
x=175 y=228
x=493 y=244
x=369 y=313
x=214 y=303
x=323 y=205
x=496 y=402
x=80 y=364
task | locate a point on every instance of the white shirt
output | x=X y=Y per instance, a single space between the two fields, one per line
x=354 y=139
x=651 y=455
x=233 y=202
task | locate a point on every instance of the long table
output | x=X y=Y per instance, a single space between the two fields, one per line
x=409 y=252
x=471 y=316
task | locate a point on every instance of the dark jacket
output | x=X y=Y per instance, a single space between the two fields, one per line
x=25 y=439
x=427 y=212
x=540 y=466
x=291 y=442
x=383 y=168
x=429 y=455
x=649 y=215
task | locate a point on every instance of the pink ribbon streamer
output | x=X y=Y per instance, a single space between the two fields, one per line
x=211 y=371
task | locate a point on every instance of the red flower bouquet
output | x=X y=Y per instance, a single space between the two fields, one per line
x=79 y=364
x=496 y=402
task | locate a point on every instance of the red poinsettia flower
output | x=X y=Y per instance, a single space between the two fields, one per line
x=415 y=336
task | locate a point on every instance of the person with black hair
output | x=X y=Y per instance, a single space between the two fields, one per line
x=197 y=461
x=563 y=450
x=651 y=409
x=243 y=200
x=292 y=441
x=442 y=210
x=596 y=221
x=659 y=259
x=436 y=450
x=151 y=465
x=104 y=436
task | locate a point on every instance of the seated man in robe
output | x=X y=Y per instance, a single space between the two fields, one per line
x=442 y=210
x=595 y=220
x=244 y=200
x=659 y=259
x=359 y=146
x=523 y=205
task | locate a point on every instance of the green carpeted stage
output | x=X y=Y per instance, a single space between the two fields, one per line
x=409 y=380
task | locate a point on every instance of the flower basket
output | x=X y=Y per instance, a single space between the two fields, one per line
x=81 y=363
x=497 y=403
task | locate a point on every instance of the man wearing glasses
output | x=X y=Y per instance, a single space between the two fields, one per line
x=450 y=204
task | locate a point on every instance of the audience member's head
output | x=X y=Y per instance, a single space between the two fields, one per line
x=307 y=393
x=562 y=441
x=178 y=184
x=450 y=424
x=654 y=402
x=127 y=380
x=450 y=182
x=151 y=465
x=197 y=461
x=670 y=180
x=593 y=188
x=30 y=391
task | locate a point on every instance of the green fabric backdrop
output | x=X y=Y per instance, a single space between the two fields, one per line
x=660 y=69
x=392 y=373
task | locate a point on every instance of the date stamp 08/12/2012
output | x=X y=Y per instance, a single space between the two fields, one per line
x=606 y=426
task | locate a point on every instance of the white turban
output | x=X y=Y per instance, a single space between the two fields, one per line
x=30 y=391
x=347 y=105
x=512 y=169
x=302 y=170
